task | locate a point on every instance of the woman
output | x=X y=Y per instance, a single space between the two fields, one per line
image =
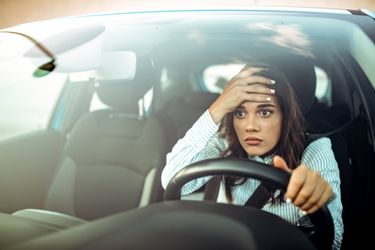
x=257 y=117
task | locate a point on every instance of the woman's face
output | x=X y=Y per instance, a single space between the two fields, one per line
x=258 y=126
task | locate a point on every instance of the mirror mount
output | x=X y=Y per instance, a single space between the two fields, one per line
x=45 y=68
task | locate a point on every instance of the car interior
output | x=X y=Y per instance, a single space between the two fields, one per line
x=114 y=153
x=105 y=163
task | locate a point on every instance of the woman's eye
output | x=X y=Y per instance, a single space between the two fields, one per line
x=265 y=113
x=240 y=114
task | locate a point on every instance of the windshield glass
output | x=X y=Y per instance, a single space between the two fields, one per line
x=26 y=102
x=212 y=46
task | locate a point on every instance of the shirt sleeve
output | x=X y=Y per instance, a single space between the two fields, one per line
x=319 y=156
x=200 y=142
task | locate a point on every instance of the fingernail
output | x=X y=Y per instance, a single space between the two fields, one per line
x=273 y=81
x=272 y=91
x=288 y=200
x=303 y=212
x=268 y=98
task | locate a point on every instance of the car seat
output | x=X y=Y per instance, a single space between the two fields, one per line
x=113 y=157
x=183 y=111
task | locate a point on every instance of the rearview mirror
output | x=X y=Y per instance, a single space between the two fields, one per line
x=117 y=65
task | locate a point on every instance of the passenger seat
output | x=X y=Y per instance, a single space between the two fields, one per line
x=113 y=157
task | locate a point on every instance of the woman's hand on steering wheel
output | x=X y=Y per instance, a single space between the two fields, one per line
x=306 y=189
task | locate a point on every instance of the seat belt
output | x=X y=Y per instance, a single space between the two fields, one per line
x=260 y=196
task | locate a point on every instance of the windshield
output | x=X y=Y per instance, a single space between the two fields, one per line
x=26 y=102
x=212 y=46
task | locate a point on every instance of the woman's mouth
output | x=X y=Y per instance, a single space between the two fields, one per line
x=253 y=141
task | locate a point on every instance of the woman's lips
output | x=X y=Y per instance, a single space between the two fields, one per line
x=253 y=141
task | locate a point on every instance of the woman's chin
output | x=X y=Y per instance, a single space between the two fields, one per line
x=258 y=152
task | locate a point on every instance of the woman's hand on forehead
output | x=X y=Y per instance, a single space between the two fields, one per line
x=248 y=70
x=243 y=87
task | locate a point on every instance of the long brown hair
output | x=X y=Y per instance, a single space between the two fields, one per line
x=292 y=140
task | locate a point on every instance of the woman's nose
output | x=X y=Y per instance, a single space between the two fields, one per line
x=251 y=124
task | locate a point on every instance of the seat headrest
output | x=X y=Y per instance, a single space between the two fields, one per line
x=122 y=86
x=301 y=76
x=199 y=100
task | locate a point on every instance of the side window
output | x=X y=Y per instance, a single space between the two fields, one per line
x=216 y=76
x=323 y=90
x=26 y=102
x=96 y=103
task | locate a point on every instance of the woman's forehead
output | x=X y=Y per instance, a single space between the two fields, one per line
x=274 y=102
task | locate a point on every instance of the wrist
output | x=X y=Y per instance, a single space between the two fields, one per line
x=215 y=114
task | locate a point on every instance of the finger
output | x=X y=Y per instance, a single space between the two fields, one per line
x=243 y=90
x=328 y=193
x=254 y=79
x=298 y=178
x=250 y=80
x=248 y=71
x=319 y=190
x=308 y=188
x=258 y=98
x=279 y=162
x=259 y=89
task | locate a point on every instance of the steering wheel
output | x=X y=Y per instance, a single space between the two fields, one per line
x=323 y=235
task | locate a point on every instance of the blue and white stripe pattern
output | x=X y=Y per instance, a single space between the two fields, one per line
x=202 y=142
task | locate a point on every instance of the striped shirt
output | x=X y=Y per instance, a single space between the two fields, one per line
x=202 y=142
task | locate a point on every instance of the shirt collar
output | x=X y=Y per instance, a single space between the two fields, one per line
x=267 y=159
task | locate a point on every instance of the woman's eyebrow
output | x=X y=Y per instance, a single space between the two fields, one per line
x=266 y=105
